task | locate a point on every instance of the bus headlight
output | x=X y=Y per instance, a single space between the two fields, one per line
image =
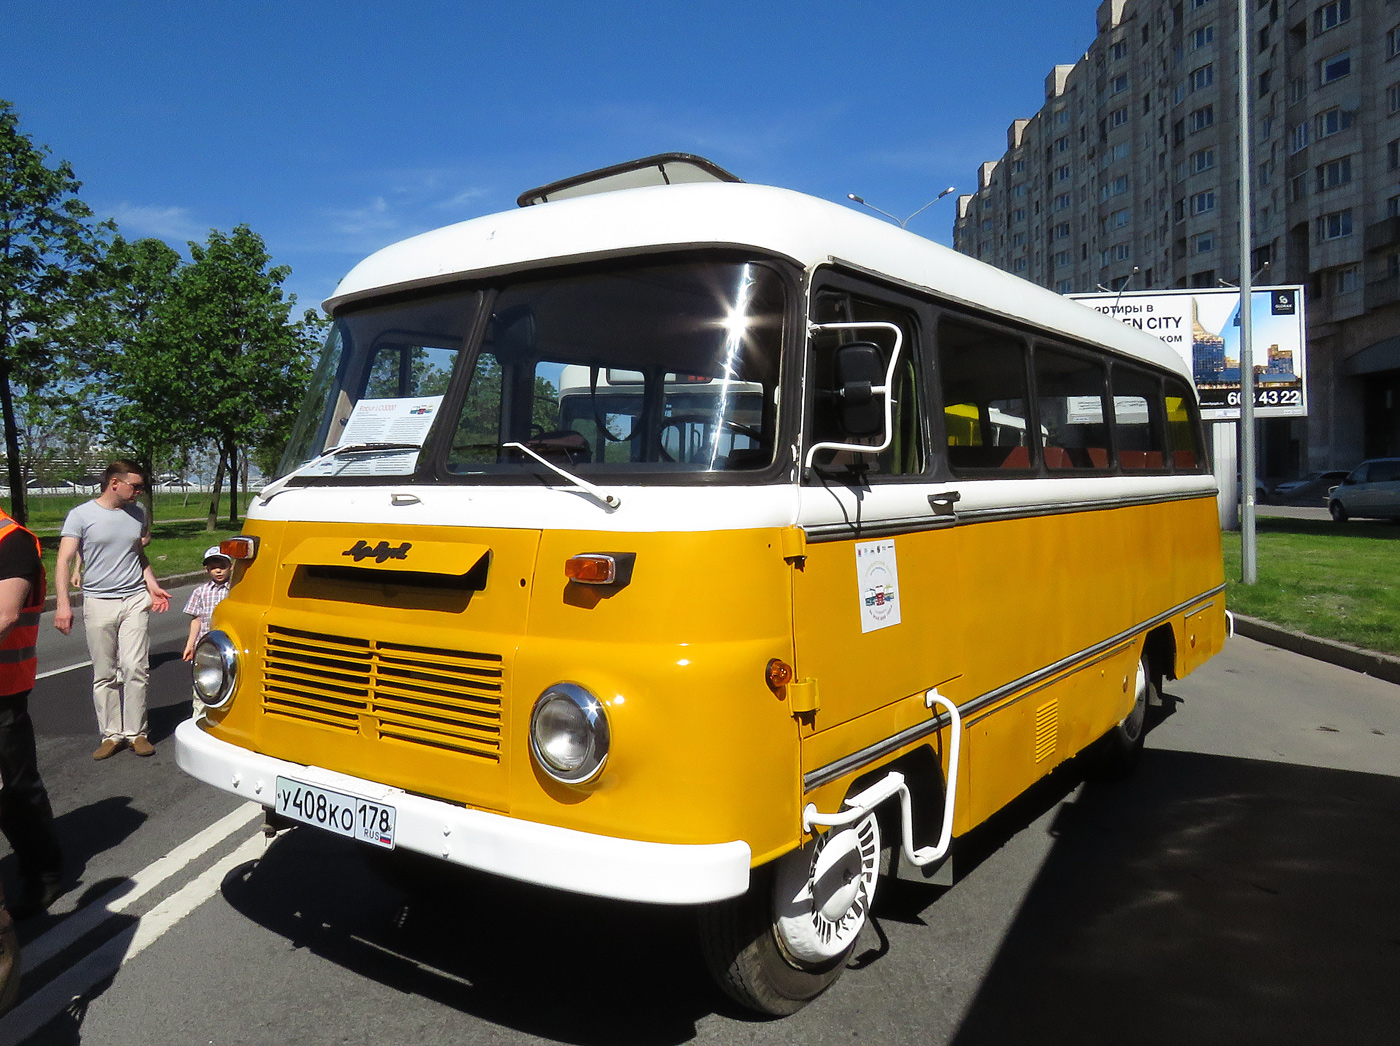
x=215 y=669
x=569 y=735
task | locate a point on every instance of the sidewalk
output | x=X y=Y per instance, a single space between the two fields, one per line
x=1344 y=655
x=173 y=581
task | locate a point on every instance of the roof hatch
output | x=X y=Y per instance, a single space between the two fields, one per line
x=661 y=169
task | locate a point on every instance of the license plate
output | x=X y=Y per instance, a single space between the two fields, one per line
x=348 y=815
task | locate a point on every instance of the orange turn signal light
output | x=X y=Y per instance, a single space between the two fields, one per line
x=779 y=674
x=591 y=569
x=242 y=547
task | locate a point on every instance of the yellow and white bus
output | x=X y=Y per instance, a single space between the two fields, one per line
x=705 y=543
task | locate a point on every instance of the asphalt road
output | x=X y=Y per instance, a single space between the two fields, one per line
x=1240 y=887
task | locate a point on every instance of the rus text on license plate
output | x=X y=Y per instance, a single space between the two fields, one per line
x=347 y=815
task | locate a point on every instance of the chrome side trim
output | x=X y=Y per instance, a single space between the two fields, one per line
x=856 y=760
x=984 y=515
x=824 y=532
x=844 y=531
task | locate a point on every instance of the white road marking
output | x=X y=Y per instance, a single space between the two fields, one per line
x=60 y=671
x=90 y=916
x=45 y=1004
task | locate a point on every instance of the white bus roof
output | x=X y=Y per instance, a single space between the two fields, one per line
x=804 y=228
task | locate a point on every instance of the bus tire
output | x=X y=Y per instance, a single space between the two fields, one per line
x=1120 y=747
x=784 y=942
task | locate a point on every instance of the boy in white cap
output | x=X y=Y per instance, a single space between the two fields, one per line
x=202 y=602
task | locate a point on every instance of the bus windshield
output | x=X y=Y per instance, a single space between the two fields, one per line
x=661 y=369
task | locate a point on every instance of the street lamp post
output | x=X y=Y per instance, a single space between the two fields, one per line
x=1249 y=569
x=903 y=224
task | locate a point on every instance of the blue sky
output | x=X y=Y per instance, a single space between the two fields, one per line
x=334 y=129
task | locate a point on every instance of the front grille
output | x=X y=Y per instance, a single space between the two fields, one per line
x=399 y=693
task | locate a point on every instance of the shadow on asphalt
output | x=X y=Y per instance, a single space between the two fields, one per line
x=560 y=966
x=161 y=721
x=83 y=833
x=1203 y=899
x=1207 y=899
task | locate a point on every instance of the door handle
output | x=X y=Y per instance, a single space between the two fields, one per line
x=942 y=504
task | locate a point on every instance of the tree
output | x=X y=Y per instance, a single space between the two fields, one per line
x=204 y=353
x=48 y=252
x=143 y=362
x=271 y=438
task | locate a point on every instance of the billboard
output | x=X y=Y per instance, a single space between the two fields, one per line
x=1203 y=326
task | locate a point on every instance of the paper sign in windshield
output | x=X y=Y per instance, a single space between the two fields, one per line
x=391 y=421
x=877 y=574
x=382 y=421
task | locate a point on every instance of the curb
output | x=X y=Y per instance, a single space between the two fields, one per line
x=76 y=599
x=1344 y=655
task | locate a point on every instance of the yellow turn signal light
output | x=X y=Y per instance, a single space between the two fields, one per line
x=591 y=569
x=242 y=547
x=779 y=674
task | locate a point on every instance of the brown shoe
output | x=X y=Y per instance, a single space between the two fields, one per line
x=109 y=747
x=142 y=747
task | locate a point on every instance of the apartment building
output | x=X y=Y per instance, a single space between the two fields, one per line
x=1128 y=177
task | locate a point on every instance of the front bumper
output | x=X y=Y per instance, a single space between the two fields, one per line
x=562 y=858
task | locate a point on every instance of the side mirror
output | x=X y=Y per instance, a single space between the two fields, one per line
x=859 y=370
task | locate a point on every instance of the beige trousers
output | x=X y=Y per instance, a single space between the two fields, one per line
x=120 y=645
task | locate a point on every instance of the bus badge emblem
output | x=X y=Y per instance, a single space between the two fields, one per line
x=381 y=552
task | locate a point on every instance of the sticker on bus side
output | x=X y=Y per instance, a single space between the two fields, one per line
x=877 y=576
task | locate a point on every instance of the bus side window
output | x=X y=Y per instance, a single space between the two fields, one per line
x=905 y=455
x=1137 y=420
x=982 y=373
x=1070 y=397
x=1183 y=430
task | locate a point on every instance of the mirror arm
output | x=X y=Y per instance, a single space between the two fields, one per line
x=886 y=390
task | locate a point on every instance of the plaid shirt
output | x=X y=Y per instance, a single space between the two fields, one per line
x=202 y=602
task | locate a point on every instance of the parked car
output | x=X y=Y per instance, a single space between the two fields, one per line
x=1370 y=489
x=1307 y=490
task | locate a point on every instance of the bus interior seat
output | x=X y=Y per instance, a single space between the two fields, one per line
x=961 y=457
x=1018 y=458
x=1140 y=460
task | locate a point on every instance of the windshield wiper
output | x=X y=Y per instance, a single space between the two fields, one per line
x=277 y=486
x=609 y=499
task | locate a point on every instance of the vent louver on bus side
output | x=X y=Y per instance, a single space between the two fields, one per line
x=1047 y=730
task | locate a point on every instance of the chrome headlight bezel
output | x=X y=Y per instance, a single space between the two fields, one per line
x=224 y=654
x=594 y=718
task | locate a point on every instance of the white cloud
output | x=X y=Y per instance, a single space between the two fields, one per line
x=374 y=219
x=462 y=198
x=168 y=223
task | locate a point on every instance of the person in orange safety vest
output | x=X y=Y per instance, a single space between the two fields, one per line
x=25 y=815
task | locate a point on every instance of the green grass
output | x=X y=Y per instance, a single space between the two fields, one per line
x=1337 y=581
x=46 y=511
x=175 y=548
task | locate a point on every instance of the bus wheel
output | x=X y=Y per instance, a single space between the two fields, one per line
x=786 y=941
x=1122 y=744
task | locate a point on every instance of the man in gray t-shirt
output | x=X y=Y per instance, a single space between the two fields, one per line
x=119 y=592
